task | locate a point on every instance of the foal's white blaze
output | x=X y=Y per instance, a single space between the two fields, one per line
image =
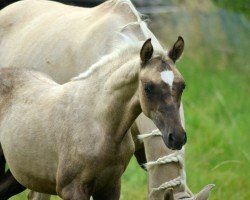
x=168 y=77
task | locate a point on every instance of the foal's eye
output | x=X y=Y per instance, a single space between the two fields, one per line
x=149 y=88
x=180 y=87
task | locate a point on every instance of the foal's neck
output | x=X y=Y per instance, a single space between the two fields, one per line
x=118 y=101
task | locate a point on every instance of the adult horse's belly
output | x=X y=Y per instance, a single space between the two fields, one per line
x=30 y=152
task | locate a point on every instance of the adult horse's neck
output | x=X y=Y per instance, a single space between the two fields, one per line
x=115 y=80
x=123 y=24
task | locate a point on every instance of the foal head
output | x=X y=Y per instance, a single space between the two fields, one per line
x=160 y=89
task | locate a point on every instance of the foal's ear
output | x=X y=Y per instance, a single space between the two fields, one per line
x=177 y=49
x=146 y=51
x=169 y=194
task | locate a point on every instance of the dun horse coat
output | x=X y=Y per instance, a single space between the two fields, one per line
x=60 y=139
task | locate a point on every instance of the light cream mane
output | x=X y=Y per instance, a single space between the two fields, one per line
x=139 y=22
x=130 y=48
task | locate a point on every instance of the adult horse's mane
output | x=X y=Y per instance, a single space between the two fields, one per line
x=138 y=16
x=127 y=44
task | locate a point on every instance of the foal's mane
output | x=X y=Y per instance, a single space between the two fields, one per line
x=123 y=52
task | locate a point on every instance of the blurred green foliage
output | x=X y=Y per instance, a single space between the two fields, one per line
x=239 y=6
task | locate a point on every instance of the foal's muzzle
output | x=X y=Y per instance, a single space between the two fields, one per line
x=175 y=140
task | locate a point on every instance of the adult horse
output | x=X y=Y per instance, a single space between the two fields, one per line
x=72 y=41
x=72 y=139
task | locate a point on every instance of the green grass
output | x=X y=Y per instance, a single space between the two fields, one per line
x=217 y=111
x=217 y=117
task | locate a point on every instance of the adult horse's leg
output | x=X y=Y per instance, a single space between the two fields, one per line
x=141 y=157
x=9 y=186
x=139 y=147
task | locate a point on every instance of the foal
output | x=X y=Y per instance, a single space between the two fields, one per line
x=72 y=139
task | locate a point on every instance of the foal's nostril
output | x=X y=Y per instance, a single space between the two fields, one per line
x=175 y=140
x=171 y=137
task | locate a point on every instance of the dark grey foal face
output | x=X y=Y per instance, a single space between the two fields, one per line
x=161 y=87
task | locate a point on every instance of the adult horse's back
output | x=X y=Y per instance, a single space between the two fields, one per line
x=40 y=32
